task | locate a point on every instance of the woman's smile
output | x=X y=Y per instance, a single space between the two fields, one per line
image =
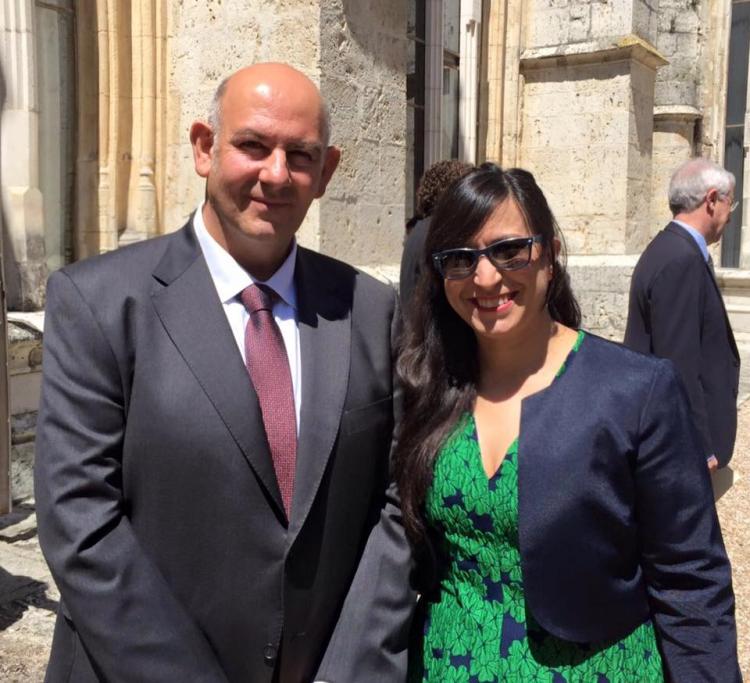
x=501 y=303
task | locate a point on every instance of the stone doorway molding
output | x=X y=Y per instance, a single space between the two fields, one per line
x=122 y=122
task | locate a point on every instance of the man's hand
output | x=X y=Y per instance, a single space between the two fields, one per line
x=713 y=463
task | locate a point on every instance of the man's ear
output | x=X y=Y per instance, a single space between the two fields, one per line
x=333 y=156
x=202 y=141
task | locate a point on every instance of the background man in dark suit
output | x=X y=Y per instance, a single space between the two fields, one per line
x=676 y=310
x=217 y=411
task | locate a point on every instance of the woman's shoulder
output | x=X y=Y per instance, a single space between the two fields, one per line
x=615 y=361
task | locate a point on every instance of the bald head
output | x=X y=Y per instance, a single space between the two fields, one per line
x=265 y=156
x=269 y=79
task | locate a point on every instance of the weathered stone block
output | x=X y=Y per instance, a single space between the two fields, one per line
x=602 y=287
x=22 y=471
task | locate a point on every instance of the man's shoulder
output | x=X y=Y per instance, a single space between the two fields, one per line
x=675 y=242
x=139 y=256
x=343 y=276
x=122 y=271
x=669 y=252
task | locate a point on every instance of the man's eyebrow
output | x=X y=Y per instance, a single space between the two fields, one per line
x=296 y=145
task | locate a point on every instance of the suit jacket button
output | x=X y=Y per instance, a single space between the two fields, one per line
x=269 y=655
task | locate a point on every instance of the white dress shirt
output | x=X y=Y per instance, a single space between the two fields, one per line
x=230 y=279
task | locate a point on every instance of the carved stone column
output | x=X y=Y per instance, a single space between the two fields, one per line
x=121 y=124
x=111 y=109
x=499 y=138
x=26 y=270
x=434 y=80
x=471 y=22
x=141 y=219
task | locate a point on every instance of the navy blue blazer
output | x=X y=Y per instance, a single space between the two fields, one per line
x=676 y=311
x=617 y=520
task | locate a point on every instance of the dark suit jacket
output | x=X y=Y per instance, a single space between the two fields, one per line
x=616 y=514
x=676 y=312
x=159 y=512
x=412 y=261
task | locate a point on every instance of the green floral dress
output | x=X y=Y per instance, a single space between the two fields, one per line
x=478 y=628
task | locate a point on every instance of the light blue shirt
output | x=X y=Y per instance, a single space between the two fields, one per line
x=230 y=278
x=700 y=240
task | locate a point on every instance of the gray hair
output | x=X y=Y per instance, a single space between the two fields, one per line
x=693 y=179
x=214 y=109
x=214 y=113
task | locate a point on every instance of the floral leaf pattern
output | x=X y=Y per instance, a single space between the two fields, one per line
x=478 y=629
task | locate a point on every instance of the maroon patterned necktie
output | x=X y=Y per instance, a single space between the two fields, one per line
x=268 y=365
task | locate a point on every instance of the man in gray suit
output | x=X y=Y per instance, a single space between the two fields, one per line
x=212 y=476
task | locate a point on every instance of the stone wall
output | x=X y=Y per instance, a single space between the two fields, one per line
x=566 y=22
x=587 y=135
x=674 y=142
x=602 y=286
x=568 y=111
x=363 y=45
x=680 y=40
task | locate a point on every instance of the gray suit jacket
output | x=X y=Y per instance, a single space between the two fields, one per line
x=158 y=507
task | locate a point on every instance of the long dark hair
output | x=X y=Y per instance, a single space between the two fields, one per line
x=438 y=358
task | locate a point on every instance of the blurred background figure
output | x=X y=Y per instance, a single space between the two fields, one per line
x=434 y=182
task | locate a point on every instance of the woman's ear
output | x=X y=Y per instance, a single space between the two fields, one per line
x=555 y=255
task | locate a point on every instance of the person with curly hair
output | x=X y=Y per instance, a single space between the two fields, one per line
x=433 y=183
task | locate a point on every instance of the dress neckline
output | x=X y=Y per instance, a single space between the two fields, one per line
x=514 y=443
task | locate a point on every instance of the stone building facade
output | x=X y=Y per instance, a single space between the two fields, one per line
x=601 y=99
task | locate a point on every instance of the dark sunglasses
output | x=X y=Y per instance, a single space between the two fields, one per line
x=512 y=253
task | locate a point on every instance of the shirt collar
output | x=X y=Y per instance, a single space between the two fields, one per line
x=230 y=278
x=700 y=240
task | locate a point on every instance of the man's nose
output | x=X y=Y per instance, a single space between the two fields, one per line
x=275 y=170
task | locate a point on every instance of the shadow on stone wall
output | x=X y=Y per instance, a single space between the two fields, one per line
x=368 y=24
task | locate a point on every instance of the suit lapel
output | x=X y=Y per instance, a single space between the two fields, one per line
x=189 y=308
x=681 y=232
x=324 y=318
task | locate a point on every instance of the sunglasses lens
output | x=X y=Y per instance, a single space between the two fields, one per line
x=458 y=264
x=511 y=254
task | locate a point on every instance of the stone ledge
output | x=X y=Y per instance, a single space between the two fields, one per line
x=734 y=278
x=677 y=112
x=603 y=260
x=629 y=47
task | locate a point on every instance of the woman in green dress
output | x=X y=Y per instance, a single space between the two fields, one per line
x=552 y=486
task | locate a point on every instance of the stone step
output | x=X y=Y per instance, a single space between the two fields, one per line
x=743 y=346
x=739 y=314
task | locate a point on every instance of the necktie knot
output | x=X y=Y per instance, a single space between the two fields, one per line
x=257 y=298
